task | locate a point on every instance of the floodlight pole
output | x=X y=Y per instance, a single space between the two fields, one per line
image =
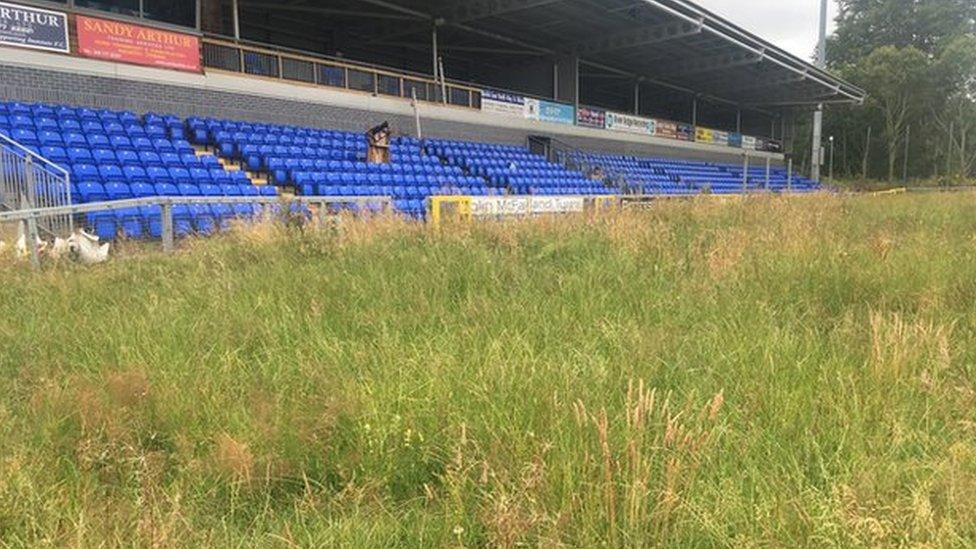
x=817 y=142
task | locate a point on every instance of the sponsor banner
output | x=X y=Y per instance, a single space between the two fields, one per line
x=760 y=144
x=497 y=206
x=666 y=129
x=686 y=132
x=33 y=28
x=720 y=138
x=557 y=112
x=557 y=204
x=735 y=140
x=127 y=43
x=704 y=135
x=748 y=142
x=629 y=124
x=591 y=118
x=773 y=145
x=508 y=104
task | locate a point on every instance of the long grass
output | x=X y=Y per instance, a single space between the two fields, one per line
x=769 y=372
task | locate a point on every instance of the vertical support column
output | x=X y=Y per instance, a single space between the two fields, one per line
x=637 y=97
x=738 y=121
x=236 y=16
x=167 y=221
x=694 y=111
x=768 y=161
x=435 y=51
x=567 y=79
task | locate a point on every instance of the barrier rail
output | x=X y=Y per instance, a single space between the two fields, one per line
x=30 y=181
x=283 y=65
x=32 y=216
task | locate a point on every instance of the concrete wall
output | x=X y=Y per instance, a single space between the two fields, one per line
x=43 y=77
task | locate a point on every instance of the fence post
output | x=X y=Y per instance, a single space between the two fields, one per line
x=767 y=172
x=167 y=215
x=745 y=173
x=29 y=180
x=789 y=176
x=32 y=237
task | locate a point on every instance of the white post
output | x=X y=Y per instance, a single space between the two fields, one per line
x=416 y=112
x=443 y=80
x=768 y=161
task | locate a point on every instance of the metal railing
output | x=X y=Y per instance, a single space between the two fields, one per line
x=29 y=181
x=326 y=205
x=270 y=62
x=573 y=158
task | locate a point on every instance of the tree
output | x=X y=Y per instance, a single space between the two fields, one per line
x=896 y=80
x=927 y=25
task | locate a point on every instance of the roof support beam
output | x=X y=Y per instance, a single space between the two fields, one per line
x=714 y=63
x=654 y=34
x=472 y=10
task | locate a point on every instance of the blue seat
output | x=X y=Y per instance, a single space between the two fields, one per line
x=117 y=191
x=142 y=190
x=103 y=224
x=91 y=192
x=129 y=222
x=110 y=173
x=203 y=219
x=55 y=154
x=166 y=189
x=135 y=174
x=104 y=156
x=85 y=173
x=152 y=219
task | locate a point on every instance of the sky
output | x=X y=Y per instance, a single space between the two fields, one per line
x=789 y=24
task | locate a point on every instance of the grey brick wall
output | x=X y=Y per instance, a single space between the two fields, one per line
x=39 y=85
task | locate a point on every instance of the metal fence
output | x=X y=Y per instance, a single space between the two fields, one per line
x=29 y=181
x=33 y=218
x=279 y=64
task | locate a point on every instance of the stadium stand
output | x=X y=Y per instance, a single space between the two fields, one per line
x=115 y=155
x=662 y=176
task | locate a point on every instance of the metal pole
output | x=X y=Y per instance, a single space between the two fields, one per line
x=443 y=80
x=32 y=236
x=768 y=162
x=167 y=215
x=694 y=111
x=831 y=160
x=416 y=112
x=436 y=54
x=815 y=160
x=738 y=121
x=789 y=175
x=236 y=17
x=867 y=153
x=745 y=172
x=637 y=97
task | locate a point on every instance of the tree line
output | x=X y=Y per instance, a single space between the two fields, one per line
x=916 y=59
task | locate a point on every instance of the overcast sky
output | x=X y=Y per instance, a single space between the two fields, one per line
x=789 y=24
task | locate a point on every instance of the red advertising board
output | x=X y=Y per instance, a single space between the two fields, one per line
x=127 y=43
x=666 y=129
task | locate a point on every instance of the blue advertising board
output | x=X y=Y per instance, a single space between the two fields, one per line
x=735 y=140
x=34 y=28
x=557 y=112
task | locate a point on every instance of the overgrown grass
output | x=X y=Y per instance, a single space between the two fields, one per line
x=766 y=373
